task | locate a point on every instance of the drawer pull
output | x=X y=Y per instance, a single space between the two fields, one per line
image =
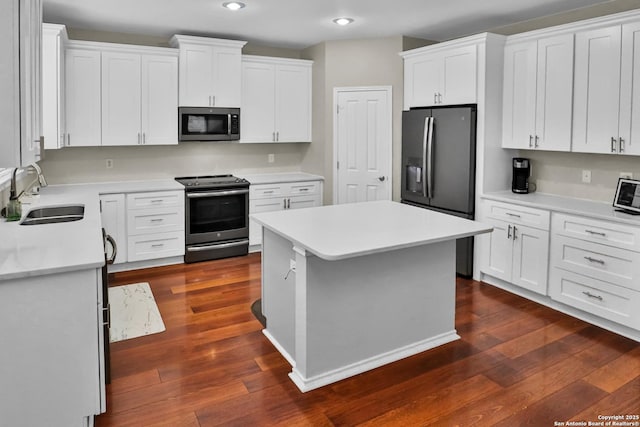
x=157 y=245
x=509 y=233
x=157 y=201
x=304 y=189
x=590 y=295
x=513 y=215
x=268 y=192
x=596 y=233
x=157 y=220
x=597 y=261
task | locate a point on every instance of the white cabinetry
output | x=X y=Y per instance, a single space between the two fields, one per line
x=595 y=267
x=52 y=349
x=538 y=93
x=155 y=225
x=280 y=196
x=518 y=245
x=54 y=38
x=113 y=215
x=82 y=97
x=276 y=100
x=606 y=90
x=20 y=86
x=210 y=71
x=444 y=74
x=139 y=98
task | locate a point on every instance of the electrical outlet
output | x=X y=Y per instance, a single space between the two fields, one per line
x=109 y=163
x=626 y=175
x=271 y=158
x=586 y=176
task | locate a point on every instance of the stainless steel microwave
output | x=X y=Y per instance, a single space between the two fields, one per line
x=208 y=124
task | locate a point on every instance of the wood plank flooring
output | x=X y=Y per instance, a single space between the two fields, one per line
x=518 y=363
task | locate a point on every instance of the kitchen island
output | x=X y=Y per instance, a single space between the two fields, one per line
x=348 y=288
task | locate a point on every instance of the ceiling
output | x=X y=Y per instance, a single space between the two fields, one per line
x=302 y=23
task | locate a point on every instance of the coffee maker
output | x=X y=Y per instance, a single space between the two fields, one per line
x=521 y=173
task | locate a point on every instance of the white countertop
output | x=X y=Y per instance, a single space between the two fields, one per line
x=272 y=178
x=34 y=250
x=343 y=231
x=125 y=186
x=590 y=208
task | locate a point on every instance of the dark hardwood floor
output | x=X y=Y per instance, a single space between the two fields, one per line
x=518 y=363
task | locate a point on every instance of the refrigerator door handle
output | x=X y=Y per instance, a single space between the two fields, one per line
x=428 y=158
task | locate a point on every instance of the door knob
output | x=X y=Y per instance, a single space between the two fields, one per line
x=381 y=178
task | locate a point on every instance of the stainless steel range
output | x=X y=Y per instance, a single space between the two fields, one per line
x=216 y=217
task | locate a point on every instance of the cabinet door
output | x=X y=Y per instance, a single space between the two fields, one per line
x=258 y=206
x=257 y=123
x=227 y=77
x=458 y=81
x=422 y=81
x=196 y=75
x=53 y=55
x=82 y=86
x=500 y=250
x=630 y=90
x=597 y=90
x=121 y=99
x=530 y=258
x=159 y=99
x=293 y=104
x=554 y=93
x=519 y=96
x=114 y=219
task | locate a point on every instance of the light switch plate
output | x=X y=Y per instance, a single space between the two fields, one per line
x=586 y=176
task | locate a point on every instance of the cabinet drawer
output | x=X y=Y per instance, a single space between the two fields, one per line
x=303 y=188
x=146 y=221
x=516 y=214
x=158 y=199
x=266 y=191
x=603 y=299
x=158 y=245
x=596 y=231
x=617 y=266
x=298 y=202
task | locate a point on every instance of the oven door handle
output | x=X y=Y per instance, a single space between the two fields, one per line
x=217 y=246
x=216 y=193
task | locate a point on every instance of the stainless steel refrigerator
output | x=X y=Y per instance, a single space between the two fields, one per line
x=439 y=166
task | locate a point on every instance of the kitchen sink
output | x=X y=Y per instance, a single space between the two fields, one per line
x=54 y=214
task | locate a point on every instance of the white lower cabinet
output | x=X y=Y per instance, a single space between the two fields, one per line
x=52 y=370
x=518 y=246
x=145 y=226
x=278 y=197
x=595 y=267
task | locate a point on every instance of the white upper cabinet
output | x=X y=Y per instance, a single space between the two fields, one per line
x=597 y=90
x=20 y=86
x=82 y=97
x=210 y=71
x=276 y=100
x=538 y=94
x=139 y=98
x=440 y=75
x=54 y=38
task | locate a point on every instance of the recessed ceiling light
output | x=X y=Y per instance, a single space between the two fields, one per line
x=343 y=21
x=233 y=5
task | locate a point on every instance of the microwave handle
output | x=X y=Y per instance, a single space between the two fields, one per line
x=228 y=124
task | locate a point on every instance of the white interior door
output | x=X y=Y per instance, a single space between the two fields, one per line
x=362 y=144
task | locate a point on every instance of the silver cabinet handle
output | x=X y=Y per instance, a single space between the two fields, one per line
x=138 y=138
x=613 y=145
x=68 y=140
x=590 y=295
x=621 y=145
x=273 y=137
x=156 y=201
x=512 y=214
x=596 y=233
x=435 y=98
x=439 y=98
x=284 y=201
x=536 y=143
x=156 y=220
x=530 y=141
x=157 y=245
x=595 y=260
x=509 y=232
x=380 y=178
x=267 y=192
x=62 y=137
x=144 y=137
x=306 y=189
x=213 y=100
x=515 y=230
x=288 y=203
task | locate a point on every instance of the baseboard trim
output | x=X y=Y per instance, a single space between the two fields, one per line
x=307 y=384
x=280 y=348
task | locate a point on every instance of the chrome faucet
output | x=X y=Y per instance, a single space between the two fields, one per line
x=41 y=179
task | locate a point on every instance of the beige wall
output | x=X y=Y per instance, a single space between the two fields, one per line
x=350 y=63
